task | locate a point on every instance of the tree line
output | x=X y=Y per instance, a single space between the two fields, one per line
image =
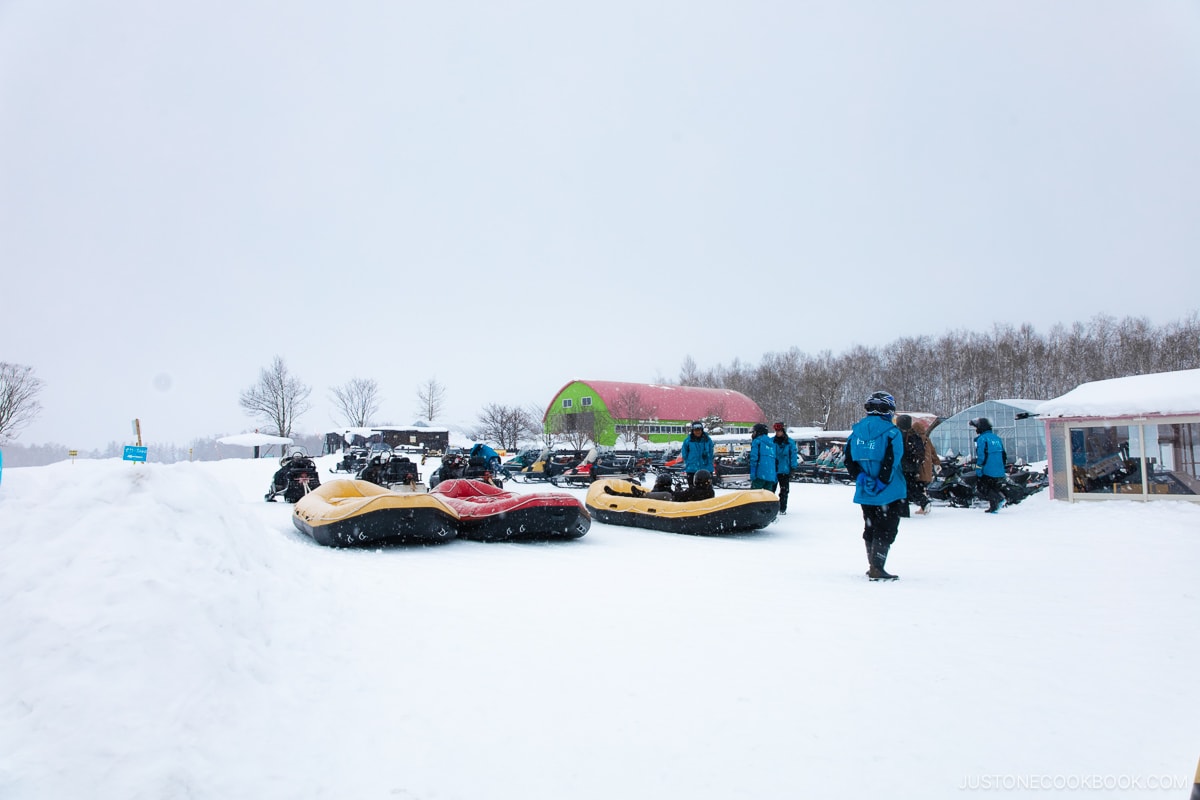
x=956 y=370
x=942 y=375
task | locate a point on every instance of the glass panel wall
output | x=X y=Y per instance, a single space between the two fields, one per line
x=1024 y=439
x=1171 y=453
x=1148 y=460
x=1106 y=460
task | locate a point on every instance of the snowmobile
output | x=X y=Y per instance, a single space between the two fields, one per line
x=390 y=471
x=548 y=466
x=352 y=462
x=521 y=461
x=297 y=476
x=732 y=472
x=822 y=459
x=458 y=465
x=608 y=465
x=957 y=485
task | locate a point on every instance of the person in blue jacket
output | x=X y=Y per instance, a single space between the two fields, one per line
x=482 y=455
x=786 y=461
x=697 y=452
x=762 y=459
x=991 y=463
x=873 y=453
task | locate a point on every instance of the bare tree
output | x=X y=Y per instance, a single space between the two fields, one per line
x=279 y=398
x=505 y=425
x=432 y=396
x=689 y=375
x=959 y=368
x=358 y=400
x=537 y=430
x=581 y=428
x=19 y=389
x=635 y=414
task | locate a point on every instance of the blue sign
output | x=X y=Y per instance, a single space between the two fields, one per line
x=134 y=453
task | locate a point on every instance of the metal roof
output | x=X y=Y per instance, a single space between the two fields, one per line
x=675 y=402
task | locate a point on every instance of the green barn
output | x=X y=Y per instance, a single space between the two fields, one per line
x=617 y=412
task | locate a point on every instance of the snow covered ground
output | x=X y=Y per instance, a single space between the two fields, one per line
x=167 y=634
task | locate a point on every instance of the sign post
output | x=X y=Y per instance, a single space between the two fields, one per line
x=134 y=453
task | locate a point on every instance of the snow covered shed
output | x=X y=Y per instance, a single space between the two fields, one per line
x=415 y=436
x=1023 y=438
x=1134 y=438
x=615 y=410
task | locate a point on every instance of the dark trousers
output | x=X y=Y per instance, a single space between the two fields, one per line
x=916 y=490
x=882 y=523
x=784 y=485
x=989 y=489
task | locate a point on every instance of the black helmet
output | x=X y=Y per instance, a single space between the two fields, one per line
x=663 y=481
x=697 y=425
x=760 y=429
x=982 y=425
x=904 y=422
x=703 y=477
x=880 y=403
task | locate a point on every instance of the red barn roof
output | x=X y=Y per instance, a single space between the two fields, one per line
x=677 y=402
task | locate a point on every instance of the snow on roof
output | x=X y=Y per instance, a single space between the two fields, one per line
x=1156 y=393
x=1025 y=403
x=253 y=439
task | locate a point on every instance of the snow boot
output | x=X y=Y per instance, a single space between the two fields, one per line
x=879 y=554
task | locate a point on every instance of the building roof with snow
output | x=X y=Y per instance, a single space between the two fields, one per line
x=1159 y=393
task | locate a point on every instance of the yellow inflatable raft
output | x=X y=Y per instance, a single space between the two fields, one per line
x=351 y=513
x=728 y=512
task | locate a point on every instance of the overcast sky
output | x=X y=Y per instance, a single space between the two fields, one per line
x=504 y=196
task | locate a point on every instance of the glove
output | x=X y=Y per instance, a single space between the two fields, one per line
x=978 y=473
x=869 y=485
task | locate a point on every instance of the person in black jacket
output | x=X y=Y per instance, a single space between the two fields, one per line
x=701 y=489
x=912 y=462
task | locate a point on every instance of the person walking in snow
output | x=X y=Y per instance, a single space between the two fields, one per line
x=786 y=461
x=697 y=452
x=762 y=459
x=990 y=463
x=874 y=451
x=917 y=464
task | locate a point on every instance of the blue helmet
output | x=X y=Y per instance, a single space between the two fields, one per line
x=880 y=403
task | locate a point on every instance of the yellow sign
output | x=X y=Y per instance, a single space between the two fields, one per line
x=72 y=453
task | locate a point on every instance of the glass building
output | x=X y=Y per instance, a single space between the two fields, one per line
x=1024 y=438
x=1131 y=438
